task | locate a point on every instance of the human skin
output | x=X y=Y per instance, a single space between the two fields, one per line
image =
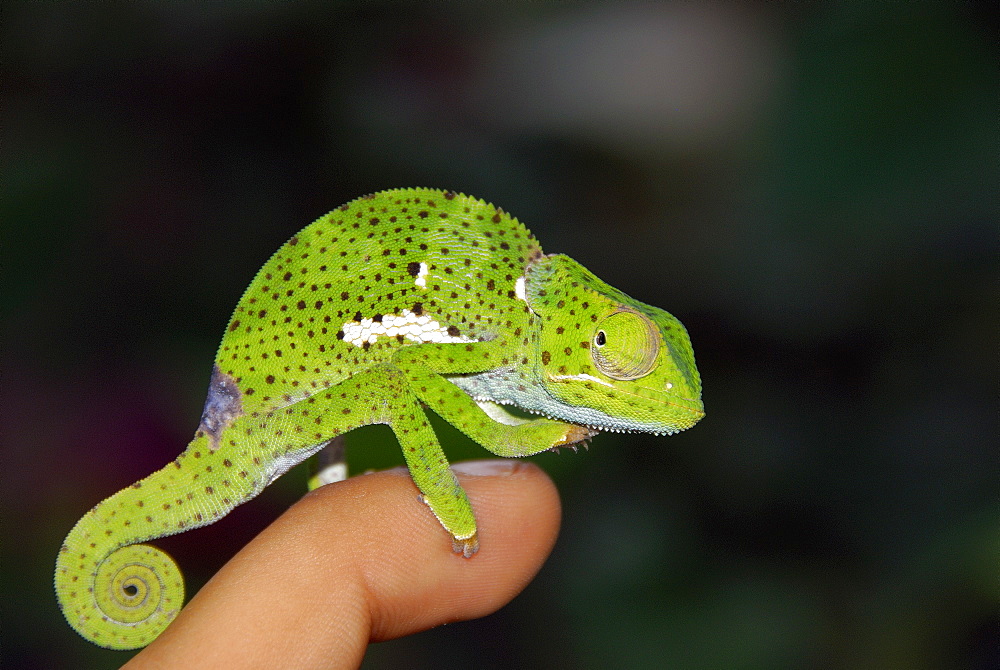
x=361 y=561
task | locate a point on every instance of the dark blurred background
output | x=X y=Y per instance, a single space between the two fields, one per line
x=810 y=188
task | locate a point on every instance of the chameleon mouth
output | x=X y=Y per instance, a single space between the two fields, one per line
x=693 y=405
x=677 y=422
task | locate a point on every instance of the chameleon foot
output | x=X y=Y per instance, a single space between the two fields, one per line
x=575 y=435
x=467 y=547
x=575 y=447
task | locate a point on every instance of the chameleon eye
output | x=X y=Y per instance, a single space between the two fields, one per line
x=626 y=345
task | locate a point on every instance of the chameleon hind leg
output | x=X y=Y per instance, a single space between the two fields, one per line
x=329 y=465
x=423 y=366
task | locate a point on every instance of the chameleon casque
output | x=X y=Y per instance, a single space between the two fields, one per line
x=397 y=302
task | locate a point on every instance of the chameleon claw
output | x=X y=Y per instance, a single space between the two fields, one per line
x=467 y=547
x=575 y=436
x=584 y=443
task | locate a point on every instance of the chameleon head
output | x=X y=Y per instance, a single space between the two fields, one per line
x=631 y=364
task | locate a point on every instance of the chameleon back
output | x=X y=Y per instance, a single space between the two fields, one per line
x=394 y=268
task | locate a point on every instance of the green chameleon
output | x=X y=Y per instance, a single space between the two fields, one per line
x=396 y=302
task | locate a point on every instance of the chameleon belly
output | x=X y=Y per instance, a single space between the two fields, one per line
x=396 y=302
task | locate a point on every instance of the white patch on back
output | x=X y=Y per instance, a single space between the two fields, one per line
x=415 y=328
x=421 y=279
x=519 y=289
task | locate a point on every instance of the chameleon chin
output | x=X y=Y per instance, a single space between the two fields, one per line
x=395 y=301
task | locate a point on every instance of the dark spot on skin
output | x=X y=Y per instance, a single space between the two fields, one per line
x=453 y=331
x=234 y=325
x=418 y=309
x=546 y=357
x=223 y=406
x=413 y=269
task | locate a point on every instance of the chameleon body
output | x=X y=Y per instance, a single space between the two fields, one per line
x=401 y=301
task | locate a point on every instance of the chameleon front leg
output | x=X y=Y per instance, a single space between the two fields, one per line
x=423 y=365
x=382 y=395
x=428 y=466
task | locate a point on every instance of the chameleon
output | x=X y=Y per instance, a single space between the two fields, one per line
x=396 y=303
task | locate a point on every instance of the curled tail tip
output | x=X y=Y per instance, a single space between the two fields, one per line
x=126 y=601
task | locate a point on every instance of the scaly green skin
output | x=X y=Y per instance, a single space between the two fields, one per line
x=399 y=300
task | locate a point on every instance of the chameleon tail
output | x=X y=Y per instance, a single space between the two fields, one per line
x=120 y=594
x=134 y=592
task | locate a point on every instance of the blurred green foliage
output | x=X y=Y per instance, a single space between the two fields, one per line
x=811 y=188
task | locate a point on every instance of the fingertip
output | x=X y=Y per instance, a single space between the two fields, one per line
x=517 y=507
x=364 y=560
x=517 y=512
x=488 y=467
